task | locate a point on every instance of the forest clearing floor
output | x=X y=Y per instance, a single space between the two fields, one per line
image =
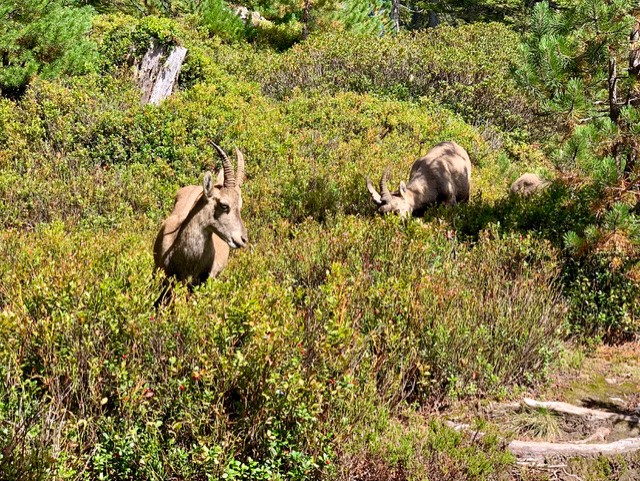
x=606 y=381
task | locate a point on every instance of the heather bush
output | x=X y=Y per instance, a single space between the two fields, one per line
x=329 y=313
x=97 y=145
x=465 y=69
x=257 y=365
x=299 y=360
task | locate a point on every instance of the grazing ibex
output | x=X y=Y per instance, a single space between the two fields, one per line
x=528 y=184
x=193 y=242
x=441 y=176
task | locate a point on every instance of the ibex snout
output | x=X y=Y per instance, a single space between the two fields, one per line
x=239 y=241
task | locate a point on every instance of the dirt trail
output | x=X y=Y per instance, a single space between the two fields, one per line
x=607 y=381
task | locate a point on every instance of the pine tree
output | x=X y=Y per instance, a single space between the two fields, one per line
x=574 y=62
x=364 y=16
x=45 y=37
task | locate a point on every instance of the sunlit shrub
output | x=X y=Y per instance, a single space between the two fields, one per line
x=46 y=39
x=465 y=68
x=259 y=365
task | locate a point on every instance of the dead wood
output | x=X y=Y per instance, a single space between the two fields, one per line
x=536 y=451
x=566 y=408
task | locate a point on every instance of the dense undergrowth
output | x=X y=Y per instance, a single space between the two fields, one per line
x=296 y=362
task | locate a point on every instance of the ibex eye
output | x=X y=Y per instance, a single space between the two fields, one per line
x=224 y=208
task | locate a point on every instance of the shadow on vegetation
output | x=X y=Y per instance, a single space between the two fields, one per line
x=602 y=298
x=549 y=214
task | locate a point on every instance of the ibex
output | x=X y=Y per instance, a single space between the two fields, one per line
x=528 y=184
x=193 y=242
x=441 y=176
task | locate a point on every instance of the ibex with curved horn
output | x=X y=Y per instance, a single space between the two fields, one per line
x=193 y=242
x=441 y=176
x=528 y=184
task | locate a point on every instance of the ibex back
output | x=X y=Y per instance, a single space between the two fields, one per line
x=528 y=184
x=193 y=242
x=441 y=176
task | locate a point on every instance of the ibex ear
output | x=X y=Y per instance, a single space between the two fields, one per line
x=207 y=185
x=376 y=197
x=220 y=178
x=403 y=189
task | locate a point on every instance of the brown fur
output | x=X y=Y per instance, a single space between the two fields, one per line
x=528 y=184
x=443 y=175
x=193 y=242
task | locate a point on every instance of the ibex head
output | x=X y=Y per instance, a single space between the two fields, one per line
x=398 y=202
x=224 y=201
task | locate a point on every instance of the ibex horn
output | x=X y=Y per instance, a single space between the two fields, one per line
x=240 y=171
x=376 y=197
x=229 y=177
x=384 y=190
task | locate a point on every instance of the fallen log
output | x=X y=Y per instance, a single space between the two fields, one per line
x=566 y=408
x=537 y=451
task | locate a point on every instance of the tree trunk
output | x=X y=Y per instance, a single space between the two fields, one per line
x=434 y=21
x=634 y=101
x=614 y=107
x=395 y=14
x=306 y=19
x=634 y=50
x=158 y=72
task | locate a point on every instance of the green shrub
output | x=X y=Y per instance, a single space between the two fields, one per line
x=219 y=20
x=253 y=372
x=280 y=36
x=413 y=449
x=329 y=321
x=43 y=38
x=312 y=152
x=604 y=299
x=329 y=314
x=465 y=69
x=123 y=39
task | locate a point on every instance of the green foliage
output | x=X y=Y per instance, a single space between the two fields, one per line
x=219 y=20
x=600 y=278
x=300 y=143
x=46 y=38
x=464 y=69
x=570 y=57
x=361 y=16
x=123 y=39
x=604 y=300
x=566 y=57
x=413 y=449
x=329 y=314
x=249 y=375
x=296 y=363
x=279 y=37
x=425 y=12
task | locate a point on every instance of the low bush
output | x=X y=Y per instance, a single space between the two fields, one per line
x=317 y=336
x=465 y=69
x=103 y=155
x=257 y=375
x=46 y=39
x=605 y=295
x=254 y=374
x=413 y=449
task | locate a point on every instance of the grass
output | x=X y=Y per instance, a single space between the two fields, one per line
x=536 y=423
